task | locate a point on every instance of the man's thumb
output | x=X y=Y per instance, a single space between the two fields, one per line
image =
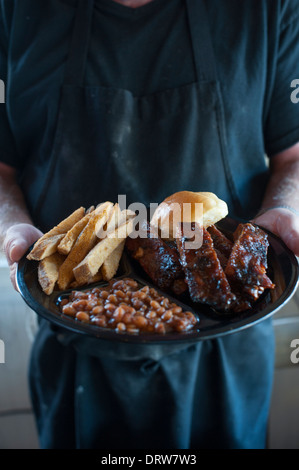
x=17 y=249
x=18 y=239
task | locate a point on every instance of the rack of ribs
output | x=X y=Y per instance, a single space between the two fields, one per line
x=204 y=274
x=159 y=259
x=228 y=275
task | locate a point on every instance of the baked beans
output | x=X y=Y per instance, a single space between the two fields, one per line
x=124 y=306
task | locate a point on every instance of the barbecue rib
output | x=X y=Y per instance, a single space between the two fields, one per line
x=223 y=246
x=205 y=277
x=158 y=259
x=247 y=265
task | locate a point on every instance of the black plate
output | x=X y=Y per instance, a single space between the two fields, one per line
x=283 y=271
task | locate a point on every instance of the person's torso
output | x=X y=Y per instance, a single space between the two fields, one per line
x=122 y=55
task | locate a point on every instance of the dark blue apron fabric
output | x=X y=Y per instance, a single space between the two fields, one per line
x=109 y=142
x=89 y=393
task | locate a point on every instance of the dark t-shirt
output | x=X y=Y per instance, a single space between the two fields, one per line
x=147 y=50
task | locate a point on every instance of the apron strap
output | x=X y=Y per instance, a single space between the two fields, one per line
x=75 y=65
x=203 y=51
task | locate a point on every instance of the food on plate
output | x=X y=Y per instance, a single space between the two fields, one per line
x=47 y=243
x=187 y=206
x=83 y=248
x=226 y=274
x=159 y=259
x=69 y=239
x=48 y=270
x=96 y=278
x=111 y=263
x=204 y=275
x=127 y=307
x=247 y=264
x=86 y=240
x=93 y=261
x=222 y=244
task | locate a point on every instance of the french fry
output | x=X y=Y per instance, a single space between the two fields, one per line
x=92 y=262
x=46 y=247
x=90 y=209
x=110 y=266
x=48 y=269
x=41 y=250
x=68 y=241
x=117 y=218
x=114 y=216
x=111 y=263
x=121 y=218
x=84 y=243
x=96 y=278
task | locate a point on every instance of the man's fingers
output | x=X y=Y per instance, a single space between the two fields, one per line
x=283 y=223
x=17 y=249
x=289 y=232
x=17 y=240
x=12 y=274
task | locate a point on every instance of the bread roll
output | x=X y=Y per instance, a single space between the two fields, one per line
x=186 y=206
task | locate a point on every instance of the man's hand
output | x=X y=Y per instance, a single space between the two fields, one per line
x=17 y=240
x=17 y=232
x=283 y=223
x=282 y=193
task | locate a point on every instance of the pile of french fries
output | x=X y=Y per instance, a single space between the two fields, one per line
x=84 y=248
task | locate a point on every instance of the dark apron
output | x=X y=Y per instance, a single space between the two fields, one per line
x=110 y=143
x=88 y=393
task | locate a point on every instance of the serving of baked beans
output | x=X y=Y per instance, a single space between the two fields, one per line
x=126 y=307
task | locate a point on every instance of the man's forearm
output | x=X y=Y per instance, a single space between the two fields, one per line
x=17 y=233
x=280 y=208
x=283 y=187
x=12 y=205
